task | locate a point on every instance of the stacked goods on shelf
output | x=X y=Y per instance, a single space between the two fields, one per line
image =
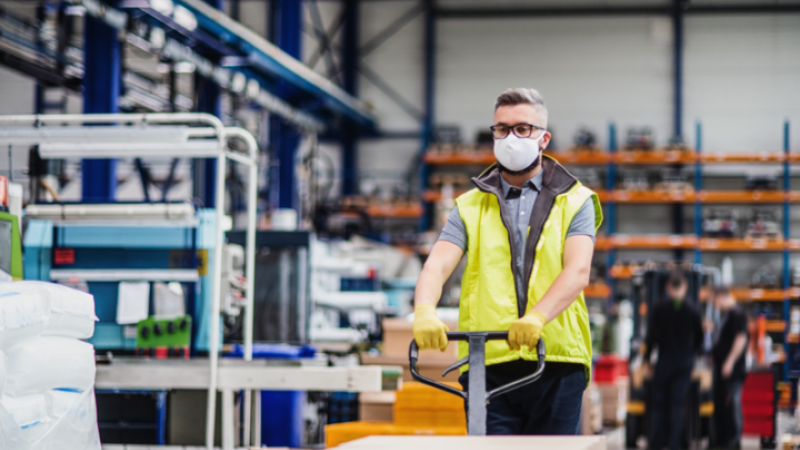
x=397 y=336
x=591 y=411
x=418 y=410
x=758 y=404
x=46 y=371
x=611 y=377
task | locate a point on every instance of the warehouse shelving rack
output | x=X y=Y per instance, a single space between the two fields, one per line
x=611 y=197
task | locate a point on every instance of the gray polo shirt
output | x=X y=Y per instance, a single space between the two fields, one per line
x=520 y=205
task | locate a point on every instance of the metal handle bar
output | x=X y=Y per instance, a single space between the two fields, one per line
x=413 y=356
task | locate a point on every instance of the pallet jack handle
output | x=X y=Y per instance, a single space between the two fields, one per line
x=477 y=374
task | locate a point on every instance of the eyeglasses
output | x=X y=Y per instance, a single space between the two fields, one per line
x=521 y=130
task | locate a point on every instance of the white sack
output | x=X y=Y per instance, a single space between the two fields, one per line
x=22 y=315
x=71 y=312
x=71 y=423
x=47 y=363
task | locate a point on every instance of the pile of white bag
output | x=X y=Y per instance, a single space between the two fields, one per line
x=46 y=371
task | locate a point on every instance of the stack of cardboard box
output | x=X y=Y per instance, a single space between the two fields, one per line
x=397 y=336
x=614 y=397
x=591 y=411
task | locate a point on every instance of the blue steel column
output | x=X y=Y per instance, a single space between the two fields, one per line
x=787 y=185
x=698 y=186
x=208 y=101
x=286 y=32
x=350 y=57
x=611 y=219
x=430 y=92
x=101 y=91
x=677 y=21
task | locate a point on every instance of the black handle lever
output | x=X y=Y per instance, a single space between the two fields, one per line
x=413 y=356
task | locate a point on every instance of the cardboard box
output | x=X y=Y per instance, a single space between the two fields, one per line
x=614 y=398
x=376 y=406
x=397 y=336
x=591 y=411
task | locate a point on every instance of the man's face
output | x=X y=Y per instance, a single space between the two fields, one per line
x=676 y=292
x=721 y=301
x=522 y=113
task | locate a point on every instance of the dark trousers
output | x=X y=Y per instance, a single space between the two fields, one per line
x=670 y=389
x=551 y=405
x=727 y=411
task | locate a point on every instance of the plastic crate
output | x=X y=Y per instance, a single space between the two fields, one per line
x=340 y=433
x=609 y=369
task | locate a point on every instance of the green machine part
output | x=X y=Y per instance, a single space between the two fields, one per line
x=10 y=246
x=169 y=333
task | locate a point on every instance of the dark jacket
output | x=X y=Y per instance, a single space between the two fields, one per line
x=675 y=329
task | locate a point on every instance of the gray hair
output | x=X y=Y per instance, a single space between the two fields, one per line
x=523 y=96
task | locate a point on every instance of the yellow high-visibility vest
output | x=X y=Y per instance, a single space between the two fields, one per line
x=489 y=301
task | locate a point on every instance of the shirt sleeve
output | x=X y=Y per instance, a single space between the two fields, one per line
x=583 y=222
x=454 y=230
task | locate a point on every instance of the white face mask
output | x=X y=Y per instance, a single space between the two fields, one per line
x=516 y=153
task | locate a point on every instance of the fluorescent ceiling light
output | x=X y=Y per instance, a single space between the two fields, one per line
x=184 y=18
x=184 y=67
x=164 y=7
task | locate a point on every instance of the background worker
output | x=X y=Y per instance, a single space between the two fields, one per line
x=675 y=330
x=728 y=354
x=528 y=231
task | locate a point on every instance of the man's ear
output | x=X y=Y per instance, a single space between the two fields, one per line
x=546 y=141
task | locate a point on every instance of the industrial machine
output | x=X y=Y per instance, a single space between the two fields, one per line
x=110 y=247
x=649 y=288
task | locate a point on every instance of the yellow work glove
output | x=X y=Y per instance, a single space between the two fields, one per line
x=527 y=330
x=429 y=331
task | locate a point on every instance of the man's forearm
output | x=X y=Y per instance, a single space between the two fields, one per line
x=564 y=290
x=736 y=349
x=429 y=287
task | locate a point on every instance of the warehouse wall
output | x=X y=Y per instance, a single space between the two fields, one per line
x=740 y=75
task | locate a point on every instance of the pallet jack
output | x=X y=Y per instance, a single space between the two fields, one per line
x=476 y=410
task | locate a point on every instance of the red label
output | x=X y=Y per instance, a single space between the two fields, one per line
x=64 y=256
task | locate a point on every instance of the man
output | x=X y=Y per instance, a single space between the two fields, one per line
x=528 y=231
x=729 y=369
x=675 y=330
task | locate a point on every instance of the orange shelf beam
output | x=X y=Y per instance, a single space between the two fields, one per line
x=413 y=211
x=721 y=245
x=651 y=197
x=581 y=157
x=741 y=196
x=761 y=295
x=622 y=272
x=757 y=157
x=434 y=195
x=794 y=244
x=626 y=157
x=775 y=326
x=596 y=291
x=794 y=157
x=654 y=242
x=460 y=158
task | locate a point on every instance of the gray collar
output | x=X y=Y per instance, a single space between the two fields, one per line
x=533 y=183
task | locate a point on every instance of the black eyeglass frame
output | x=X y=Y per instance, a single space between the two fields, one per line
x=511 y=130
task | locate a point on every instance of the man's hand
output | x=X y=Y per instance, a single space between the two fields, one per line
x=429 y=331
x=527 y=330
x=727 y=370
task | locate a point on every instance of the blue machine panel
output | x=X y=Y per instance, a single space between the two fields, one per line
x=124 y=236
